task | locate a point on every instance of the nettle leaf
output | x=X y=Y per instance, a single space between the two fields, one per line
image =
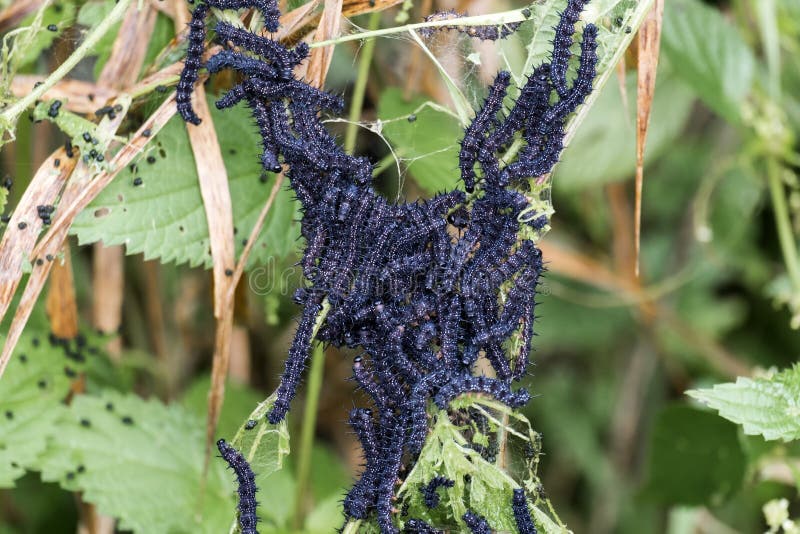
x=769 y=407
x=603 y=148
x=479 y=485
x=709 y=54
x=164 y=217
x=428 y=143
x=264 y=446
x=37 y=379
x=695 y=458
x=141 y=462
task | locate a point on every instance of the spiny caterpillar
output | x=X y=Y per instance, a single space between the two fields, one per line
x=429 y=494
x=247 y=486
x=420 y=301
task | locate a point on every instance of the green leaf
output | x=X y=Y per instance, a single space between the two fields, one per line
x=428 y=144
x=31 y=392
x=488 y=488
x=324 y=515
x=3 y=199
x=769 y=407
x=545 y=16
x=146 y=470
x=709 y=54
x=695 y=457
x=604 y=148
x=265 y=445
x=90 y=15
x=164 y=217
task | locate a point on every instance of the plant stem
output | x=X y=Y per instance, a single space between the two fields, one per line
x=361 y=86
x=307 y=432
x=783 y=222
x=505 y=17
x=10 y=115
x=351 y=527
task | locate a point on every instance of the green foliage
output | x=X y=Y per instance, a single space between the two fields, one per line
x=164 y=217
x=3 y=198
x=695 y=457
x=139 y=461
x=709 y=54
x=601 y=153
x=769 y=406
x=480 y=485
x=31 y=391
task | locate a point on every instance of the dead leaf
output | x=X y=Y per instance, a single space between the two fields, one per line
x=19 y=239
x=47 y=250
x=253 y=237
x=108 y=286
x=127 y=55
x=219 y=214
x=120 y=161
x=18 y=10
x=78 y=96
x=296 y=19
x=649 y=43
x=62 y=309
x=321 y=57
x=357 y=7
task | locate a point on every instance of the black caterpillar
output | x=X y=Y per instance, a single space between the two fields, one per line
x=248 y=518
x=417 y=286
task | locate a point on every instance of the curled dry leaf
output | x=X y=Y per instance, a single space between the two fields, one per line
x=16 y=11
x=219 y=214
x=78 y=96
x=649 y=42
x=45 y=253
x=17 y=245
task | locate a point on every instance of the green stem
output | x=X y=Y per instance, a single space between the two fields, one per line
x=351 y=527
x=783 y=222
x=150 y=87
x=361 y=86
x=307 y=432
x=10 y=115
x=505 y=17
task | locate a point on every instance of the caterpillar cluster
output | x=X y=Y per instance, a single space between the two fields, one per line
x=477 y=524
x=422 y=288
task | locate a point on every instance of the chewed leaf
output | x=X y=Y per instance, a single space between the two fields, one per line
x=263 y=445
x=769 y=407
x=457 y=453
x=141 y=462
